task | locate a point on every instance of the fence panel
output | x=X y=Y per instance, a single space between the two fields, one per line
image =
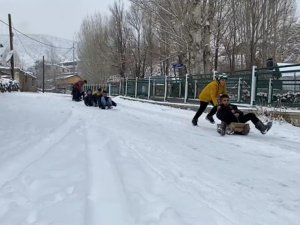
x=284 y=87
x=142 y=88
x=130 y=88
x=280 y=84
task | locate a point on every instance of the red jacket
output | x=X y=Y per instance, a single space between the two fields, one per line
x=79 y=85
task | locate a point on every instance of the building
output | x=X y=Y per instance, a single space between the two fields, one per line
x=70 y=66
x=65 y=82
x=290 y=75
x=26 y=80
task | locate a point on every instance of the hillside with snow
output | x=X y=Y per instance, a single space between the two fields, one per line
x=62 y=163
x=29 y=51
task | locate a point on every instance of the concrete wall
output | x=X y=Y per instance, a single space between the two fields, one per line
x=26 y=82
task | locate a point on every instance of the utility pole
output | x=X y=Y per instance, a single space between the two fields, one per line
x=11 y=48
x=43 y=74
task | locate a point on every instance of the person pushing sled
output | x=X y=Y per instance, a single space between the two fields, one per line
x=233 y=119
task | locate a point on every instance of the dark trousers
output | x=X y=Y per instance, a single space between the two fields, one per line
x=76 y=95
x=228 y=117
x=88 y=100
x=96 y=99
x=202 y=108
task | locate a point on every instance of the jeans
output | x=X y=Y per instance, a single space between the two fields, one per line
x=104 y=101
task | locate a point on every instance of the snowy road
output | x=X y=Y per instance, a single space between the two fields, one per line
x=62 y=163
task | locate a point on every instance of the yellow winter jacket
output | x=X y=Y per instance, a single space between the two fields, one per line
x=98 y=93
x=212 y=91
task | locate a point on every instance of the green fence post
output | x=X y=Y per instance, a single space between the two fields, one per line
x=253 y=85
x=136 y=87
x=126 y=85
x=186 y=88
x=195 y=91
x=166 y=88
x=270 y=91
x=109 y=89
x=239 y=89
x=149 y=86
x=179 y=88
x=154 y=88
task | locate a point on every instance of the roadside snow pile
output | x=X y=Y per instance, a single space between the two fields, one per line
x=7 y=84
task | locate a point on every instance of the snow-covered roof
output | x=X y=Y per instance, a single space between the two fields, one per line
x=7 y=81
x=65 y=77
x=68 y=61
x=285 y=71
x=56 y=65
x=26 y=73
x=30 y=74
x=4 y=67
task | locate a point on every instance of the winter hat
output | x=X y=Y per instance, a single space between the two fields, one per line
x=222 y=77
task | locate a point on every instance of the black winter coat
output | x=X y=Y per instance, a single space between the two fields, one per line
x=227 y=113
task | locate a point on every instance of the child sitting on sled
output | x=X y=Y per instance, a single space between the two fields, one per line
x=229 y=113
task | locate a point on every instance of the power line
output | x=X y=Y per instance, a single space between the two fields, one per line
x=67 y=52
x=52 y=46
x=19 y=39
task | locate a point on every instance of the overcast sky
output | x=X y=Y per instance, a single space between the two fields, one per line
x=60 y=18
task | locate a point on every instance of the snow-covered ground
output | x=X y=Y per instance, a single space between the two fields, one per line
x=62 y=163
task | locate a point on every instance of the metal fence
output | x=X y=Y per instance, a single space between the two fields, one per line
x=264 y=86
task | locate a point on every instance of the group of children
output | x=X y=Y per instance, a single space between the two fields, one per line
x=99 y=98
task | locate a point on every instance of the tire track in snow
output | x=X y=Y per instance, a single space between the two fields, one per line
x=9 y=170
x=184 y=185
x=129 y=143
x=106 y=198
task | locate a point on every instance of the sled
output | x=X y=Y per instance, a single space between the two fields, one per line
x=237 y=128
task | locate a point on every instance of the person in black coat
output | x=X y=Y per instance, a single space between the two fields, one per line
x=88 y=99
x=229 y=113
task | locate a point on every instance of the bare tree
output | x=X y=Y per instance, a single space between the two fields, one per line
x=118 y=32
x=204 y=35
x=93 y=49
x=135 y=20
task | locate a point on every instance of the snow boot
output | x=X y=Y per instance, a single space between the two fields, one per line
x=195 y=122
x=210 y=119
x=222 y=128
x=262 y=127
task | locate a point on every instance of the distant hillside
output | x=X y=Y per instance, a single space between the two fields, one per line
x=29 y=51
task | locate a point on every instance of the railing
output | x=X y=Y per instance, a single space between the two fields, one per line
x=279 y=85
x=92 y=87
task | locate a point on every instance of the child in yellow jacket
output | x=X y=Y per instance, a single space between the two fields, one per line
x=210 y=94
